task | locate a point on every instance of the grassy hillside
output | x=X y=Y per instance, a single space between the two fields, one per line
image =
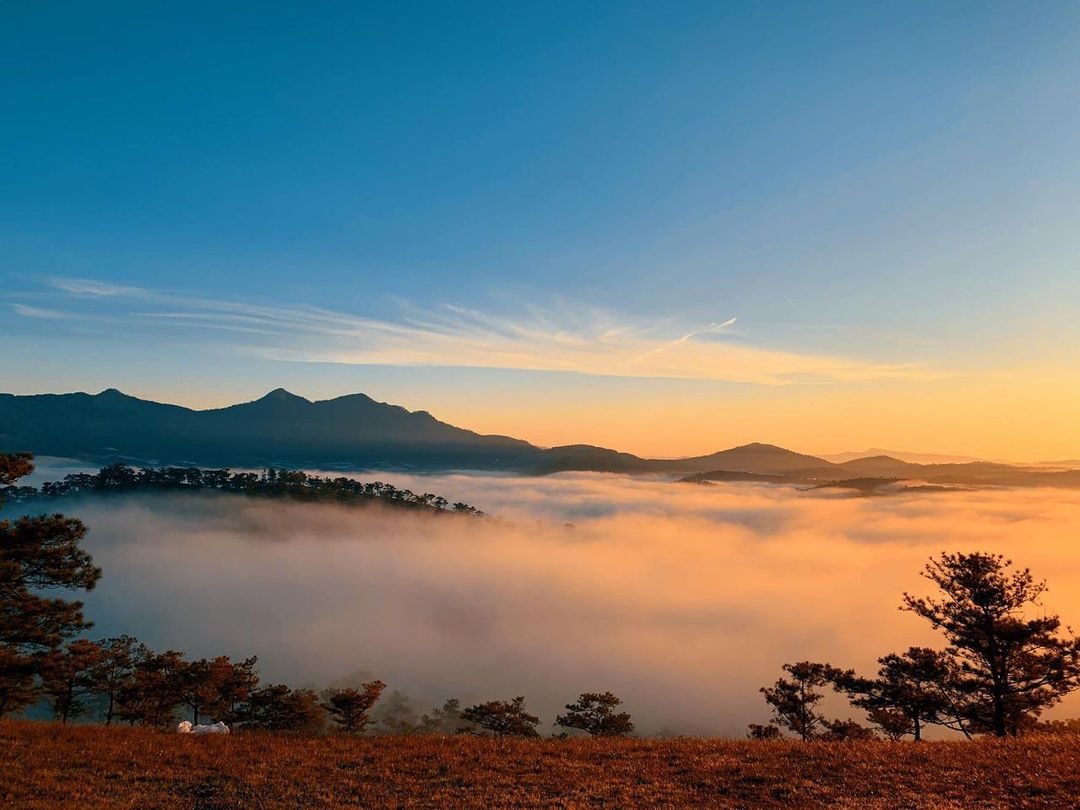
x=47 y=766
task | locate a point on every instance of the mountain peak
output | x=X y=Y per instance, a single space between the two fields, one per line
x=758 y=447
x=281 y=395
x=112 y=393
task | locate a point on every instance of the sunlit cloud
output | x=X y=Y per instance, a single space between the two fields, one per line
x=583 y=340
x=682 y=599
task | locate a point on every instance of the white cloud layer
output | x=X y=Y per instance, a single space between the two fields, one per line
x=681 y=599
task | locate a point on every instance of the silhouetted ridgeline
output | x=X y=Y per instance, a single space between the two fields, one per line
x=270 y=483
x=352 y=432
x=355 y=432
x=279 y=430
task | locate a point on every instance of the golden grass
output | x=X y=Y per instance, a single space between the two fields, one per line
x=46 y=765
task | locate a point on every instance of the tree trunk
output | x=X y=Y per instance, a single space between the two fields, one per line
x=1000 y=729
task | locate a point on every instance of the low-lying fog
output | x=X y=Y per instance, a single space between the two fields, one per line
x=681 y=599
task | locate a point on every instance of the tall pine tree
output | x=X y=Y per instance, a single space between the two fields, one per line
x=38 y=555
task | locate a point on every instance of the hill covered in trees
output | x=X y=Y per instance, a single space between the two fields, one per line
x=269 y=483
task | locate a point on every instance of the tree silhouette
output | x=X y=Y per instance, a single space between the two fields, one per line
x=155 y=691
x=845 y=731
x=350 y=709
x=114 y=670
x=271 y=483
x=18 y=680
x=217 y=686
x=594 y=712
x=794 y=701
x=504 y=718
x=757 y=731
x=446 y=719
x=395 y=715
x=893 y=723
x=911 y=690
x=14 y=466
x=1009 y=667
x=67 y=681
x=236 y=681
x=37 y=555
x=279 y=708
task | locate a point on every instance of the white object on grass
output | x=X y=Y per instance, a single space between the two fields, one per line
x=185 y=727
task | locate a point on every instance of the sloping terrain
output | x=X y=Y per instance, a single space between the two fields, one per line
x=44 y=766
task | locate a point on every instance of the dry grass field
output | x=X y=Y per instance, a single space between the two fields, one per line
x=49 y=766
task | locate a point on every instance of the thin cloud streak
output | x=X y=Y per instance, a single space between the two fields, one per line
x=100 y=289
x=573 y=339
x=710 y=329
x=39 y=312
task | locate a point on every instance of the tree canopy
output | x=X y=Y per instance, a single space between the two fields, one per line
x=270 y=483
x=503 y=718
x=1009 y=666
x=1006 y=660
x=350 y=708
x=595 y=713
x=39 y=555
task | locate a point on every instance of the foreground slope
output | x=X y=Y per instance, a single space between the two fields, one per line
x=47 y=766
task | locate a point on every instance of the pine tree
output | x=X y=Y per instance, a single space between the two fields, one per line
x=503 y=718
x=37 y=555
x=350 y=708
x=1009 y=665
x=595 y=713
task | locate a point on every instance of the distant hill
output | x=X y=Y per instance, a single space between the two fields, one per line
x=902 y=455
x=880 y=466
x=350 y=431
x=356 y=432
x=280 y=428
x=764 y=459
x=880 y=474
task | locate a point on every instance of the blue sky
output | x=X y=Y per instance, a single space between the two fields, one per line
x=202 y=203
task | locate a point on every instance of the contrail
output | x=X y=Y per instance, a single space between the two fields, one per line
x=711 y=328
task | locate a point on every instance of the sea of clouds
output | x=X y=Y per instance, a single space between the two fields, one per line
x=682 y=599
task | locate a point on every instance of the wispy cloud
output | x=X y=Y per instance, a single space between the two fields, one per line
x=569 y=338
x=100 y=289
x=38 y=312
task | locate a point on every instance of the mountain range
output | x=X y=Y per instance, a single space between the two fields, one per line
x=356 y=432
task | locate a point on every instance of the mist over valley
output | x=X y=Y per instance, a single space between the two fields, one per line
x=681 y=599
